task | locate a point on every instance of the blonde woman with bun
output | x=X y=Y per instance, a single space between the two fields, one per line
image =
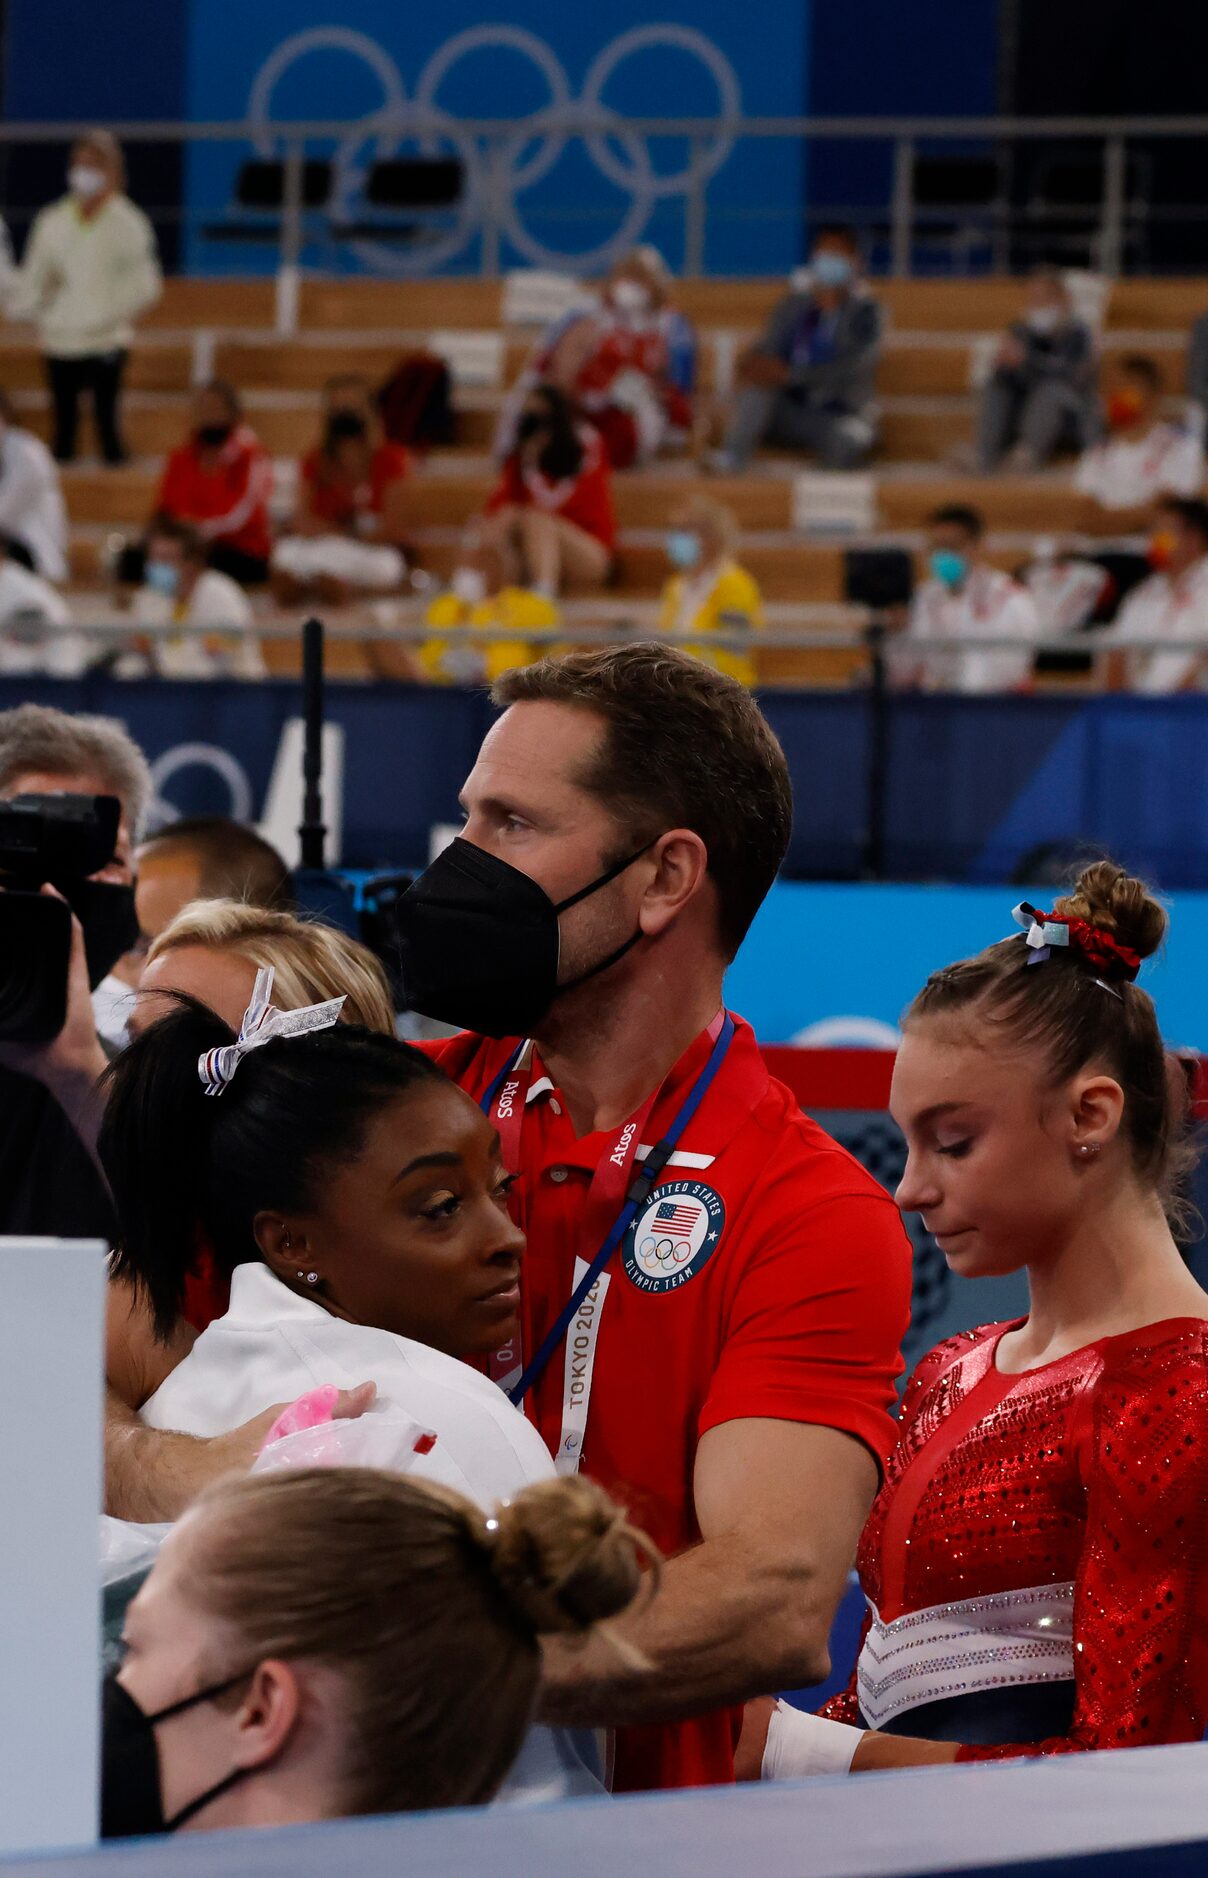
x=316 y=1644
x=1035 y=1562
x=213 y=949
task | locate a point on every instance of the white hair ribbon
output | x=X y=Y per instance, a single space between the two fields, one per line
x=262 y=1021
x=1041 y=934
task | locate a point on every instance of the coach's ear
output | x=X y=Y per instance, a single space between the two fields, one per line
x=678 y=867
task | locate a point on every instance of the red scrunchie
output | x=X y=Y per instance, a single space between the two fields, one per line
x=1097 y=947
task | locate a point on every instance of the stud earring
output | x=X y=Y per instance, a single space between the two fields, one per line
x=311 y=1278
x=1089 y=1149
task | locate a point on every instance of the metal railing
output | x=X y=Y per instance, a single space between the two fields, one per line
x=486 y=228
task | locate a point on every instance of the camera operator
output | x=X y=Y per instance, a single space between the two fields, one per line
x=48 y=1180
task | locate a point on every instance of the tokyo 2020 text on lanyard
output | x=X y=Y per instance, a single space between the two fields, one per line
x=615 y=1181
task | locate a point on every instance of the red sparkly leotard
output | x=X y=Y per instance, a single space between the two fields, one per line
x=1042 y=1533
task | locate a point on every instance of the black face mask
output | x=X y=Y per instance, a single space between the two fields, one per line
x=343 y=426
x=562 y=456
x=131 y=1795
x=105 y=910
x=479 y=942
x=213 y=436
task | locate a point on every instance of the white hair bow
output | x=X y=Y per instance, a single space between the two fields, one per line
x=1040 y=934
x=262 y=1021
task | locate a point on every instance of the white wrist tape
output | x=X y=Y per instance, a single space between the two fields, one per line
x=800 y=1744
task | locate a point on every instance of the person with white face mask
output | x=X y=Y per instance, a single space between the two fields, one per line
x=709 y=593
x=808 y=382
x=1041 y=394
x=90 y=269
x=628 y=363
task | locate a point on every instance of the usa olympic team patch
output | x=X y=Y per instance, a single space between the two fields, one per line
x=674 y=1236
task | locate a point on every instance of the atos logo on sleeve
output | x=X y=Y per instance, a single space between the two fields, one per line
x=674 y=1236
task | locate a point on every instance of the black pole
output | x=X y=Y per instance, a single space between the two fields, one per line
x=877 y=772
x=313 y=832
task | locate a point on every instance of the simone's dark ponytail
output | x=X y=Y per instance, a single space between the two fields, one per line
x=189 y=1171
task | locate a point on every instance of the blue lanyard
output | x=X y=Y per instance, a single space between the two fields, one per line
x=639 y=1191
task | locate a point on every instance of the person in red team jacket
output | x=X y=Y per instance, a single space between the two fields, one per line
x=1034 y=1564
x=219 y=481
x=549 y=521
x=729 y=1372
x=714 y=1292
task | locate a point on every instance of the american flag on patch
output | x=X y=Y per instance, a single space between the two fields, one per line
x=678 y=1221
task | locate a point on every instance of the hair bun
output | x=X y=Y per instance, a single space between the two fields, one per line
x=564 y=1555
x=1108 y=897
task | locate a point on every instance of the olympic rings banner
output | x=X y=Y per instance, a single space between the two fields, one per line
x=571 y=199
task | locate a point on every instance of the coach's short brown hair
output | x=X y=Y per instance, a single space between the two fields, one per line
x=686 y=747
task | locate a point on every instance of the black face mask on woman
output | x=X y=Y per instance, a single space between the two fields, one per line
x=480 y=942
x=131 y=1794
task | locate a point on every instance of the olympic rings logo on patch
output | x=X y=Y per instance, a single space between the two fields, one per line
x=674 y=1236
x=619 y=154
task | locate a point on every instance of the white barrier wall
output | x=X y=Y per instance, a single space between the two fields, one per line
x=51 y=1370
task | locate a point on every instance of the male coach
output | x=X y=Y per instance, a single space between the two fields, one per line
x=727 y=1369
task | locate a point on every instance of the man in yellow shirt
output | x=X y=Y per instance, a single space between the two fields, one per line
x=710 y=593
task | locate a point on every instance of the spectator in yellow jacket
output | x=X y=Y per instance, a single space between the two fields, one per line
x=709 y=593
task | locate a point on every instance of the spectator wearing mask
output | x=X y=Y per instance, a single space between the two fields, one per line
x=324 y=1637
x=1171 y=604
x=629 y=363
x=549 y=523
x=709 y=593
x=206 y=857
x=89 y=270
x=33 y=516
x=180 y=588
x=219 y=482
x=1142 y=457
x=965 y=596
x=808 y=384
x=1041 y=396
x=346 y=537
x=48 y=1182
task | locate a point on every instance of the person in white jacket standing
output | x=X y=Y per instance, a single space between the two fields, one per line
x=89 y=270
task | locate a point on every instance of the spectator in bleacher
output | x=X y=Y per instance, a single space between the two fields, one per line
x=220 y=482
x=90 y=269
x=1041 y=395
x=629 y=363
x=1144 y=456
x=180 y=588
x=965 y=597
x=345 y=541
x=36 y=631
x=206 y=857
x=709 y=592
x=1171 y=604
x=337 y=1641
x=33 y=517
x=808 y=383
x=549 y=523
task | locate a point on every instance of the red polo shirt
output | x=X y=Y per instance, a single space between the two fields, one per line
x=778 y=1286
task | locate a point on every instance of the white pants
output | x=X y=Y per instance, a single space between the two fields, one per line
x=357 y=563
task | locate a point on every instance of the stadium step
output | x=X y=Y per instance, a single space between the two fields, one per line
x=919 y=305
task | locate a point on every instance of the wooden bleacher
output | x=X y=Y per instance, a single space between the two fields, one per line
x=934 y=329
